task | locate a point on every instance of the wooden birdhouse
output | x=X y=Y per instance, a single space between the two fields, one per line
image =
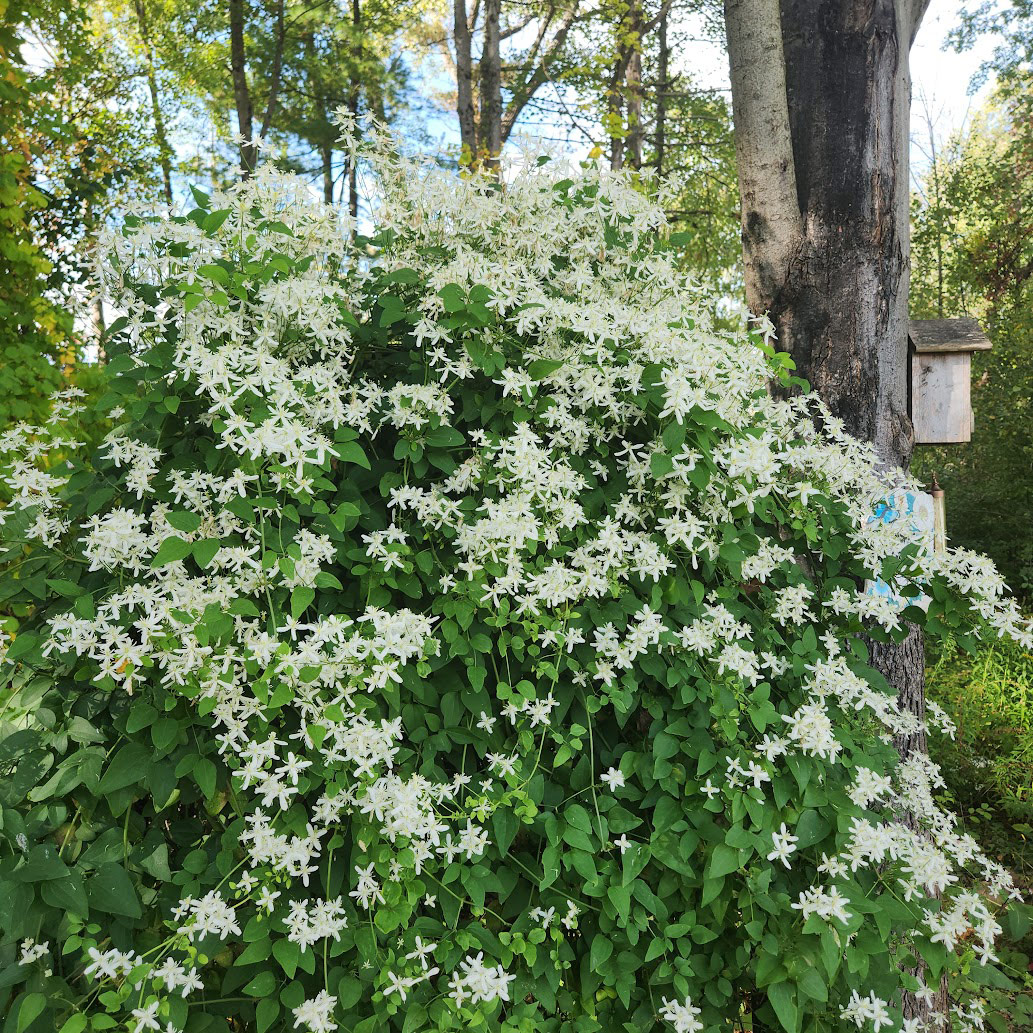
x=940 y=385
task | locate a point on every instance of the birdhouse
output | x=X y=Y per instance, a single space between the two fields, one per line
x=940 y=387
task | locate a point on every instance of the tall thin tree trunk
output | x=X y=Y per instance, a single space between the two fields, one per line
x=326 y=154
x=662 y=88
x=491 y=85
x=241 y=92
x=160 y=134
x=464 y=80
x=615 y=110
x=934 y=165
x=633 y=78
x=353 y=106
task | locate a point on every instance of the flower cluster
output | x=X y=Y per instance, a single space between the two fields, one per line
x=493 y=634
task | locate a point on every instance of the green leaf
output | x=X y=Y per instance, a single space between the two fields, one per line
x=620 y=897
x=287 y=953
x=127 y=767
x=41 y=865
x=204 y=551
x=25 y=642
x=185 y=522
x=660 y=464
x=351 y=452
x=69 y=589
x=262 y=985
x=811 y=829
x=170 y=550
x=215 y=273
x=723 y=861
x=266 y=1013
x=301 y=600
x=453 y=297
x=505 y=823
x=110 y=889
x=204 y=775
x=68 y=895
x=541 y=368
x=783 y=999
x=602 y=948
x=214 y=220
x=30 y=1007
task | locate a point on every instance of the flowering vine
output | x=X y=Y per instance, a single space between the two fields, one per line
x=453 y=632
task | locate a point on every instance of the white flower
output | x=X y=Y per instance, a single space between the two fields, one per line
x=683 y=1015
x=316 y=1015
x=872 y=1009
x=147 y=1017
x=614 y=778
x=783 y=845
x=478 y=982
x=32 y=951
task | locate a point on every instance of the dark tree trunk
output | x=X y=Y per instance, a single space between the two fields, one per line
x=821 y=93
x=491 y=85
x=241 y=92
x=353 y=106
x=615 y=109
x=842 y=309
x=464 y=80
x=327 y=159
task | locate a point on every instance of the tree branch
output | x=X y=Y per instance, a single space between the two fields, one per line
x=523 y=93
x=274 y=78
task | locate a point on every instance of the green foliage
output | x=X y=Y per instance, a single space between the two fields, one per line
x=972 y=254
x=987 y=769
x=33 y=329
x=170 y=590
x=989 y=765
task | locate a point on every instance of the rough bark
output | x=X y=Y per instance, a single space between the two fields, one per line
x=491 y=85
x=821 y=95
x=353 y=108
x=615 y=108
x=842 y=307
x=241 y=92
x=464 y=79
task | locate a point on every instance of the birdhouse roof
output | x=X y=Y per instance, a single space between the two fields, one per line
x=963 y=334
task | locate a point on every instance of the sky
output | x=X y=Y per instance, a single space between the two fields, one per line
x=941 y=79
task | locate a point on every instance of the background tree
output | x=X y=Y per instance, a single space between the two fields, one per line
x=973 y=255
x=32 y=327
x=499 y=57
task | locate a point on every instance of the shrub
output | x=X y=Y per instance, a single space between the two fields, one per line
x=452 y=633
